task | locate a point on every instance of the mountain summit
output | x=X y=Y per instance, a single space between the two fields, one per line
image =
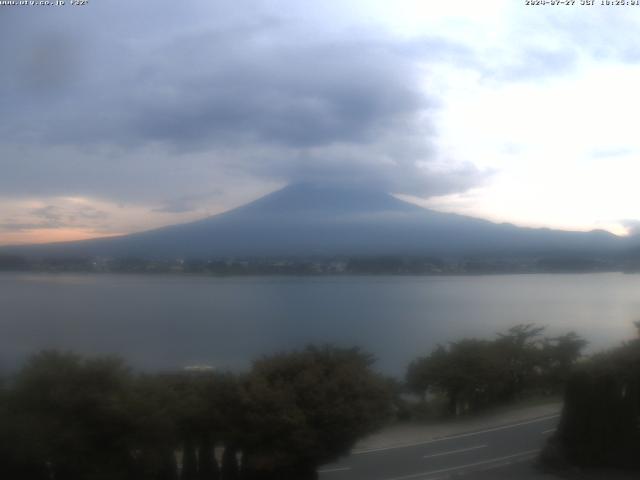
x=308 y=199
x=328 y=220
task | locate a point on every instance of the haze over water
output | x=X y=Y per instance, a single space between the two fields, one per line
x=167 y=322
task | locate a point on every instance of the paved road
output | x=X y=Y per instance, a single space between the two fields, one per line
x=506 y=451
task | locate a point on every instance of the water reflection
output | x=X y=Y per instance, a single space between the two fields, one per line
x=171 y=321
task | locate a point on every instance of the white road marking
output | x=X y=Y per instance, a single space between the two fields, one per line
x=451 y=452
x=453 y=437
x=494 y=466
x=331 y=470
x=544 y=432
x=500 y=462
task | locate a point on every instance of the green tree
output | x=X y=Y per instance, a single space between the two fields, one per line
x=520 y=352
x=154 y=408
x=559 y=355
x=206 y=410
x=472 y=373
x=17 y=459
x=599 y=424
x=469 y=373
x=230 y=469
x=207 y=464
x=425 y=373
x=73 y=416
x=309 y=407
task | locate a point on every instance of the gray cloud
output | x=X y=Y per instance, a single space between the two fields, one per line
x=14 y=225
x=159 y=104
x=536 y=63
x=611 y=152
x=295 y=97
x=547 y=43
x=601 y=33
x=55 y=216
x=632 y=226
x=232 y=87
x=186 y=203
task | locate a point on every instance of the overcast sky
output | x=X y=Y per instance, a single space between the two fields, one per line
x=121 y=116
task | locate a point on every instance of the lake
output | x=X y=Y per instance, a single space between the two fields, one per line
x=167 y=322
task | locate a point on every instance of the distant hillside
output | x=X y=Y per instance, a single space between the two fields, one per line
x=311 y=220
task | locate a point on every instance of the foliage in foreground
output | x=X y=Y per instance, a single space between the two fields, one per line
x=73 y=418
x=600 y=424
x=473 y=373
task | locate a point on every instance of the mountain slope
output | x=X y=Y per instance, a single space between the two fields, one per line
x=310 y=220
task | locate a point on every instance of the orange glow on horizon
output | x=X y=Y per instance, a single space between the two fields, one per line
x=49 y=235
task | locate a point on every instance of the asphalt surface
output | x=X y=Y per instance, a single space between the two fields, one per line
x=506 y=451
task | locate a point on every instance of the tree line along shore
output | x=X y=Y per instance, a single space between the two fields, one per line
x=322 y=265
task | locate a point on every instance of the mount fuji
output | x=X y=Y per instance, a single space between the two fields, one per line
x=330 y=220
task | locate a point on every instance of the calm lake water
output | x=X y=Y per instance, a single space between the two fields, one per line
x=160 y=322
